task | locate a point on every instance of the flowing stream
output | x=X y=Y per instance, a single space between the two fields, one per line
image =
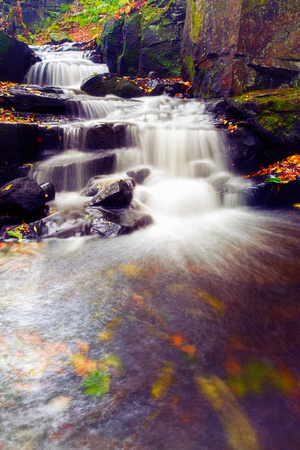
x=181 y=335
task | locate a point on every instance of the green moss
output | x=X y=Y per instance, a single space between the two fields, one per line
x=277 y=111
x=5 y=44
x=197 y=16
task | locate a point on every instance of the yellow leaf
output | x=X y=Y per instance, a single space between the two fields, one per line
x=131 y=270
x=7 y=187
x=239 y=430
x=105 y=336
x=210 y=300
x=163 y=382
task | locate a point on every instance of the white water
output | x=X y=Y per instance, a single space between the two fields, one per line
x=65 y=69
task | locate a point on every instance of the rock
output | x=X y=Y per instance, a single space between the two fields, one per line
x=110 y=224
x=139 y=175
x=272 y=194
x=128 y=63
x=48 y=100
x=157 y=90
x=18 y=144
x=162 y=25
x=101 y=85
x=22 y=197
x=15 y=59
x=61 y=225
x=111 y=46
x=101 y=137
x=233 y=46
x=117 y=194
x=147 y=40
x=203 y=169
x=49 y=191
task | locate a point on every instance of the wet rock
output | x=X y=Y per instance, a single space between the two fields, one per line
x=158 y=89
x=110 y=224
x=37 y=99
x=101 y=85
x=22 y=197
x=117 y=195
x=139 y=175
x=101 y=137
x=203 y=169
x=61 y=225
x=272 y=194
x=49 y=191
x=18 y=143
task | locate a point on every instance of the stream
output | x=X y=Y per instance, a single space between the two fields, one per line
x=181 y=335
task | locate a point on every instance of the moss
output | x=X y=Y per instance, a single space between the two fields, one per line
x=5 y=44
x=277 y=111
x=197 y=16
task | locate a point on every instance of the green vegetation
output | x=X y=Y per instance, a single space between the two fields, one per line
x=277 y=111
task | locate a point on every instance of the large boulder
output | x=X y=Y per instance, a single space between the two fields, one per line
x=231 y=46
x=101 y=85
x=15 y=59
x=22 y=197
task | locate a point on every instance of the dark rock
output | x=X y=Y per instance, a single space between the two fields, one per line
x=49 y=191
x=35 y=99
x=101 y=85
x=22 y=197
x=157 y=90
x=114 y=195
x=128 y=63
x=139 y=175
x=50 y=138
x=273 y=195
x=101 y=137
x=18 y=144
x=15 y=59
x=111 y=46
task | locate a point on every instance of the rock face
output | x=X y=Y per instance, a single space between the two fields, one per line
x=231 y=46
x=15 y=59
x=149 y=39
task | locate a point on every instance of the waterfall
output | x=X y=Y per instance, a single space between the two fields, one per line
x=181 y=335
x=65 y=69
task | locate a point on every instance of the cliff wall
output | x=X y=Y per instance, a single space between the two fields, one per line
x=233 y=46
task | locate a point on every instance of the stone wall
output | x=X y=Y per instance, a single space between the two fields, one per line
x=233 y=46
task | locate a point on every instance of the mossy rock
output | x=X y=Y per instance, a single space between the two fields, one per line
x=101 y=85
x=15 y=59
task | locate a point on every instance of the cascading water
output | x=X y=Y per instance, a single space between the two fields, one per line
x=65 y=69
x=182 y=335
